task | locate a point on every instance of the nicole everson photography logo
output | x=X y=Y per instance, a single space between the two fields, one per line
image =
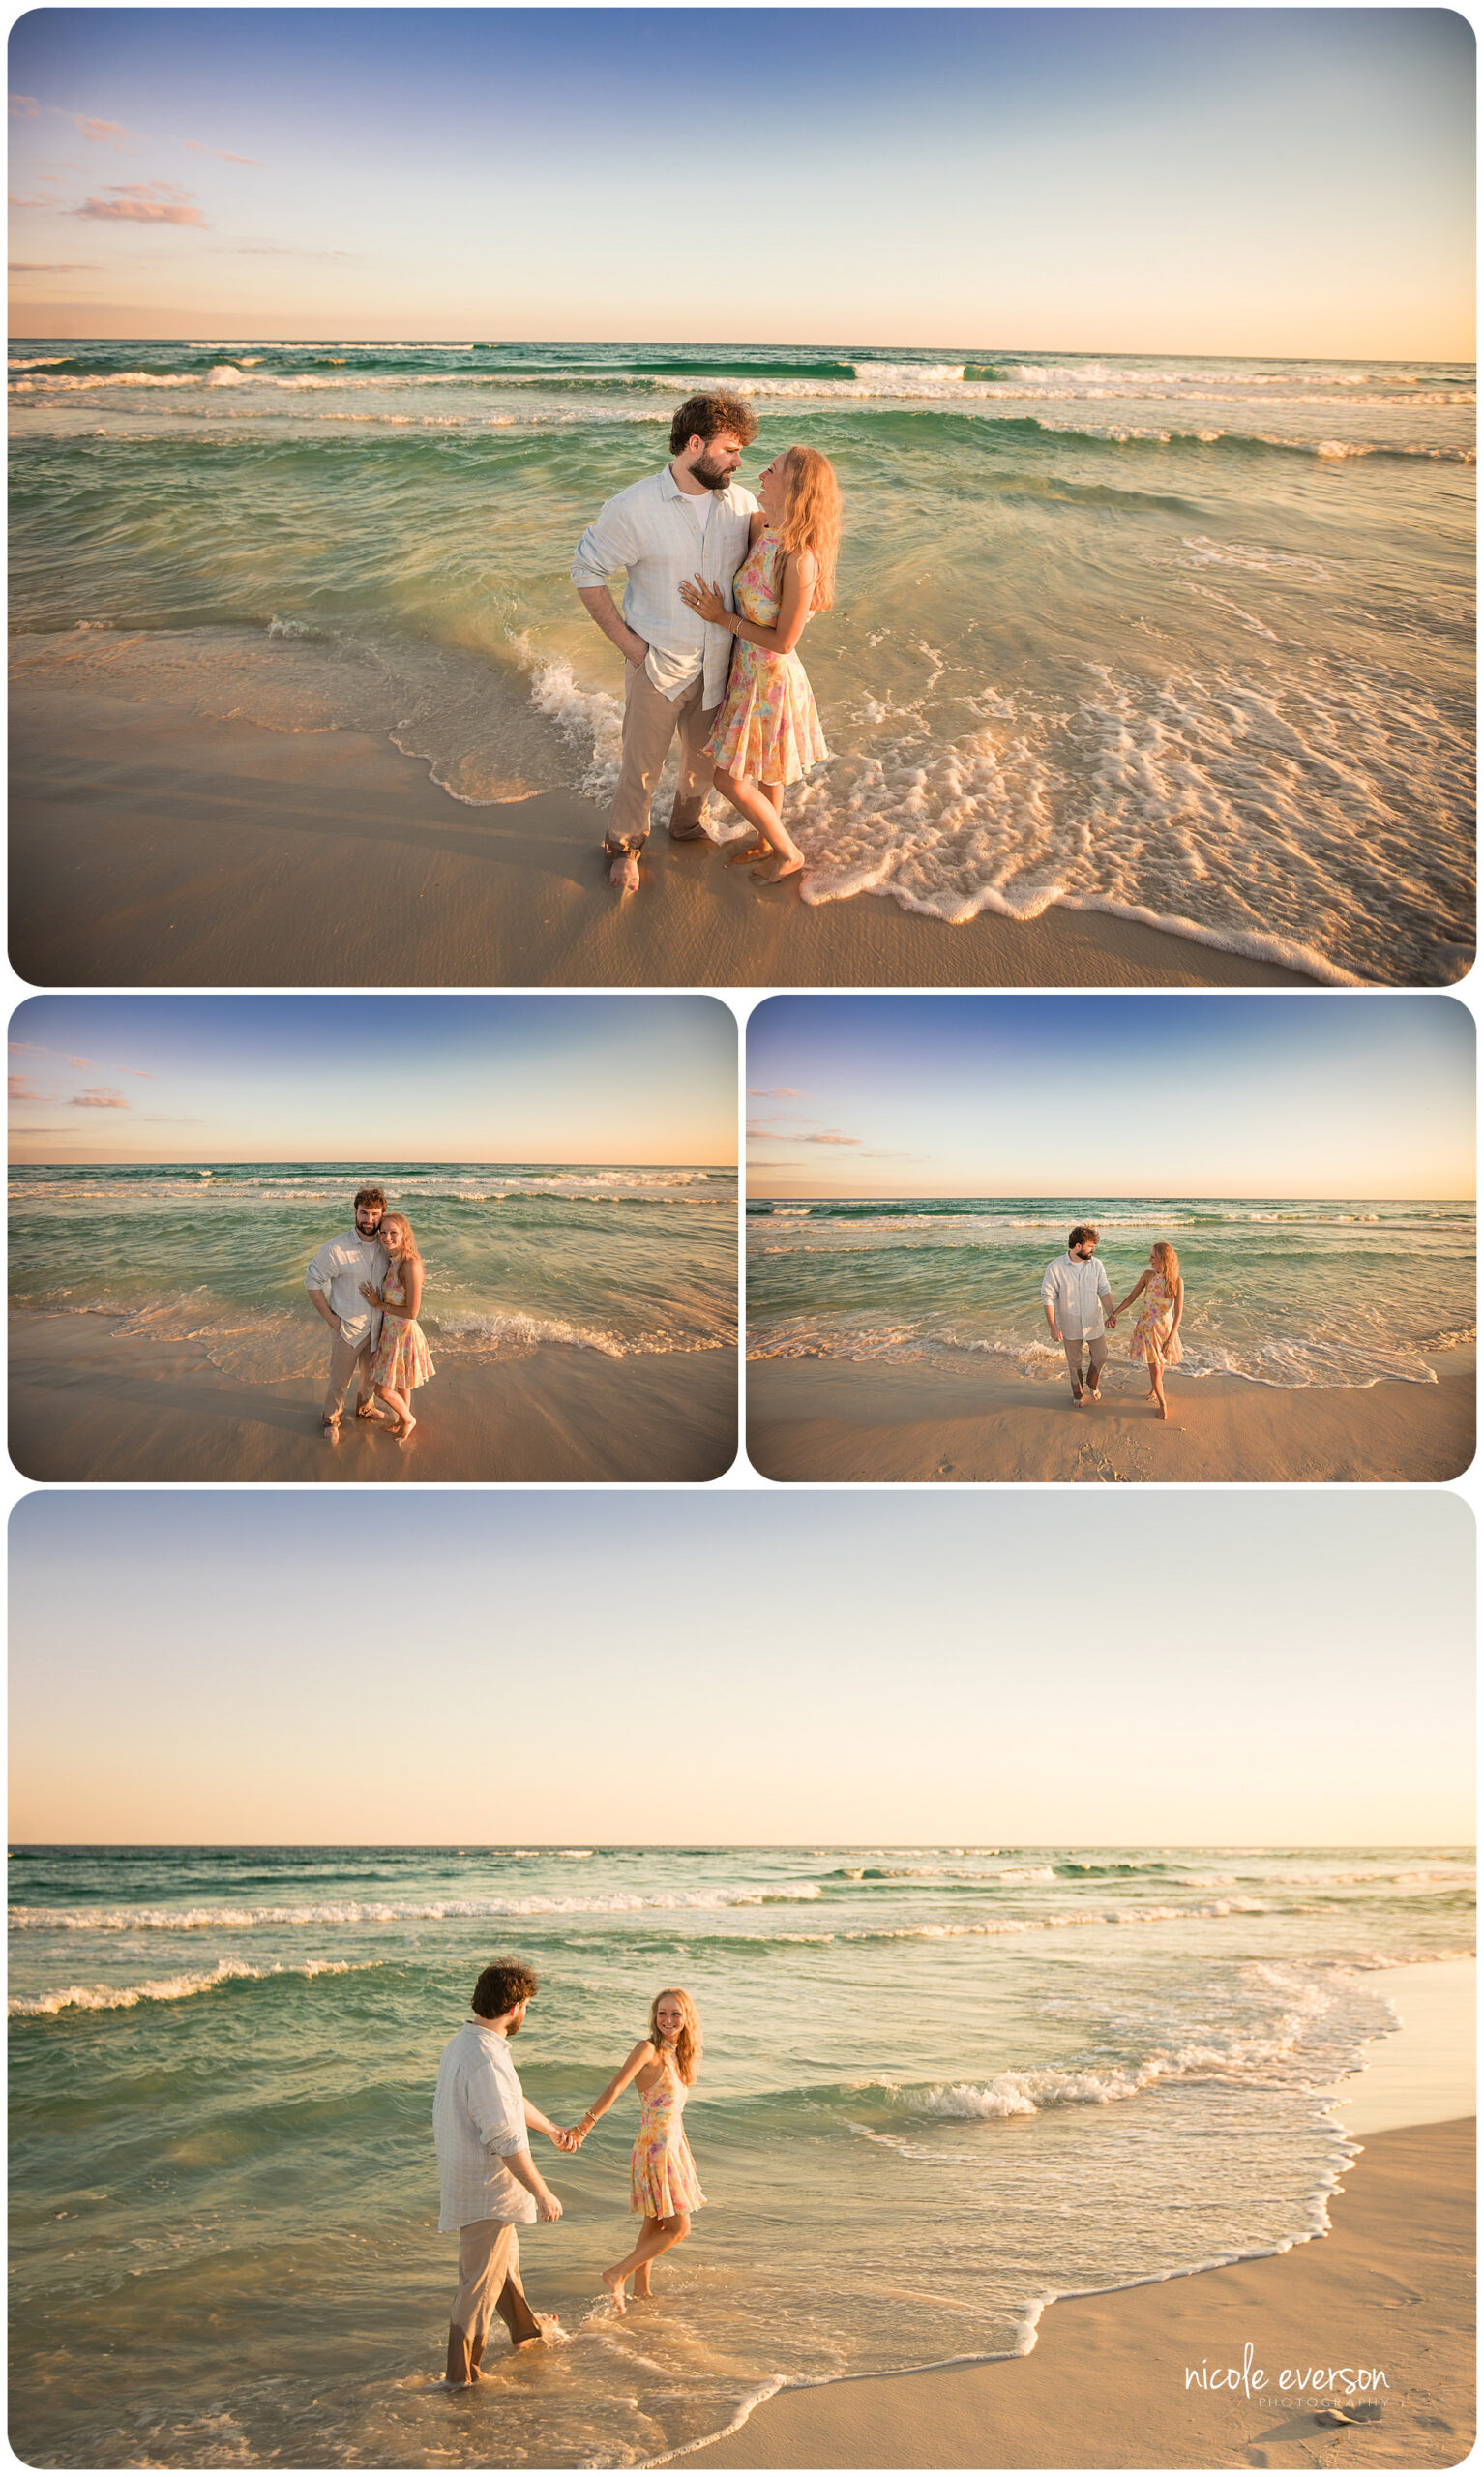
x=1295 y=2384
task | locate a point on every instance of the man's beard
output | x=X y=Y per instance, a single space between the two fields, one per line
x=712 y=476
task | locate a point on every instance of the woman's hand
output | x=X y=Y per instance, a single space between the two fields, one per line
x=369 y=1291
x=705 y=600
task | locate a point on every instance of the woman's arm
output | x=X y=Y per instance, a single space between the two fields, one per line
x=412 y=1283
x=795 y=602
x=642 y=2054
x=1133 y=1295
x=1179 y=1310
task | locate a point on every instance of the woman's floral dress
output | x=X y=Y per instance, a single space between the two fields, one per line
x=1152 y=1337
x=768 y=728
x=662 y=2173
x=402 y=1357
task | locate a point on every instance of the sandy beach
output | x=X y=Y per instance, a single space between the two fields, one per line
x=87 y=1403
x=1391 y=2287
x=152 y=847
x=840 y=1419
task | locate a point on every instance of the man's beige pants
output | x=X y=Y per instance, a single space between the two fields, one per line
x=489 y=2283
x=650 y=723
x=348 y=1359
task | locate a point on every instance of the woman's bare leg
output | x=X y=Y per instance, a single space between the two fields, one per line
x=403 y=1409
x=1157 y=1388
x=762 y=804
x=656 y=2237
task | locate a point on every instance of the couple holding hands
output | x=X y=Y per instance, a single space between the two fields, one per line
x=1073 y=1291
x=490 y=2186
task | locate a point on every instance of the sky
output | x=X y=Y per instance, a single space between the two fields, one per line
x=1293 y=182
x=837 y=1665
x=1331 y=1096
x=619 y=1079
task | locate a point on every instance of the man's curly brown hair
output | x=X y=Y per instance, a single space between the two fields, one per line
x=705 y=417
x=503 y=1986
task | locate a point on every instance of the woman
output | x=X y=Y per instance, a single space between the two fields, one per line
x=1157 y=1333
x=767 y=734
x=662 y=2182
x=402 y=1359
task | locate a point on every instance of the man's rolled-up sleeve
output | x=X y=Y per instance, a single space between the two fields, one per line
x=1049 y=1285
x=318 y=1276
x=499 y=2130
x=606 y=546
x=1104 y=1289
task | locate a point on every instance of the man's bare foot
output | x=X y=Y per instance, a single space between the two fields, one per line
x=330 y=1430
x=743 y=851
x=1093 y=1393
x=1077 y=1401
x=614 y=2286
x=624 y=872
x=780 y=868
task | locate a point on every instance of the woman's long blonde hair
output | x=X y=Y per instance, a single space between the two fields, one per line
x=688 y=2048
x=1169 y=1262
x=812 y=516
x=400 y=1222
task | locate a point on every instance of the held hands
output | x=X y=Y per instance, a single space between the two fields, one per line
x=568 y=2137
x=705 y=600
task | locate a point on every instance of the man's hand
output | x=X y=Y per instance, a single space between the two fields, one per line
x=1110 y=1323
x=1056 y=1333
x=548 y=2204
x=566 y=2138
x=639 y=658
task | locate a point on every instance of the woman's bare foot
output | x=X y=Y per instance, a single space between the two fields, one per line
x=780 y=868
x=624 y=872
x=614 y=2286
x=759 y=851
x=406 y=1427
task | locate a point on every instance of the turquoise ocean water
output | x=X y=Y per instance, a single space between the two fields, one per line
x=1279 y=1291
x=614 y=1261
x=1186 y=640
x=941 y=2086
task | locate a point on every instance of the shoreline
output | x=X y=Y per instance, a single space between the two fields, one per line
x=90 y=1402
x=867 y=1420
x=150 y=845
x=1104 y=2386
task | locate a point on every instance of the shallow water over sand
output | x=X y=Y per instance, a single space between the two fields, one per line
x=1003 y=2072
x=1186 y=640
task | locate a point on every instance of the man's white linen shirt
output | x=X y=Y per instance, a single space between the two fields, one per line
x=1076 y=1291
x=652 y=531
x=339 y=1270
x=478 y=2120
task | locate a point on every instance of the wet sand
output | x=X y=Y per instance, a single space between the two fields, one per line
x=151 y=846
x=1391 y=2287
x=89 y=1402
x=840 y=1419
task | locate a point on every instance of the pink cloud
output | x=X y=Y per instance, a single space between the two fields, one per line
x=829 y=1138
x=25 y=107
x=100 y=1098
x=142 y=202
x=773 y=1092
x=53 y=266
x=20 y=1088
x=222 y=155
x=101 y=133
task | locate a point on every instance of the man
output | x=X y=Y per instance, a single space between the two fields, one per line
x=1072 y=1293
x=334 y=1283
x=489 y=2183
x=675 y=679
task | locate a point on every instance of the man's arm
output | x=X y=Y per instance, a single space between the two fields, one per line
x=599 y=606
x=606 y=546
x=316 y=1281
x=1049 y=1301
x=525 y=2171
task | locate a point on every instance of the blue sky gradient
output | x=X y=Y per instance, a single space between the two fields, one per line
x=1333 y=1096
x=1291 y=182
x=191 y=1666
x=617 y=1080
